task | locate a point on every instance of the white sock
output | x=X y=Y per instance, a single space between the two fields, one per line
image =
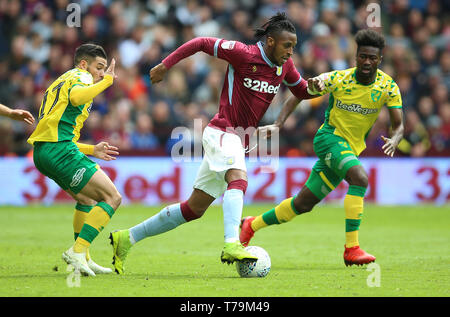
x=167 y=219
x=233 y=201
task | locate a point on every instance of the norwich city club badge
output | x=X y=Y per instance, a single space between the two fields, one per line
x=375 y=95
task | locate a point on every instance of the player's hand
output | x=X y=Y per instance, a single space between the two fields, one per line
x=389 y=146
x=157 y=73
x=21 y=115
x=266 y=131
x=105 y=152
x=110 y=70
x=315 y=84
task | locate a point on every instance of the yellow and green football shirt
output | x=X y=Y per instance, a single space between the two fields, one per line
x=58 y=119
x=354 y=107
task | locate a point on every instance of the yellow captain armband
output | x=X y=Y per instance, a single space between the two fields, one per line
x=87 y=149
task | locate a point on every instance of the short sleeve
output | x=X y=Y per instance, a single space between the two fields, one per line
x=394 y=98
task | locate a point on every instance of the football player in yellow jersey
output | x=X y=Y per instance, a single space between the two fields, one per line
x=356 y=96
x=56 y=153
x=16 y=114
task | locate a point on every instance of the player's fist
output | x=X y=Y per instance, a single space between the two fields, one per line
x=157 y=73
x=315 y=85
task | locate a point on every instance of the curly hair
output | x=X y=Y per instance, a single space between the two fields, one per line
x=369 y=37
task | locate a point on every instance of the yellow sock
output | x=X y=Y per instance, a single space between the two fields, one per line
x=97 y=219
x=353 y=205
x=258 y=223
x=284 y=212
x=79 y=217
x=81 y=245
x=351 y=239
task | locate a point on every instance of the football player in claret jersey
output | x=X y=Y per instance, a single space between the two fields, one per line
x=356 y=98
x=253 y=77
x=65 y=106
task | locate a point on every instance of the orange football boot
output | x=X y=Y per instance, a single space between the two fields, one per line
x=247 y=232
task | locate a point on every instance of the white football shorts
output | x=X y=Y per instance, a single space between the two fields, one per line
x=223 y=151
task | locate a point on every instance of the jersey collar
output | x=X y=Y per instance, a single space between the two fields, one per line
x=356 y=80
x=267 y=60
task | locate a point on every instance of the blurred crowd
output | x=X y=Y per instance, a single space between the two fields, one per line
x=38 y=39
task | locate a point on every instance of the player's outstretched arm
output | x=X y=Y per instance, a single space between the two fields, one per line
x=390 y=144
x=79 y=95
x=16 y=114
x=208 y=45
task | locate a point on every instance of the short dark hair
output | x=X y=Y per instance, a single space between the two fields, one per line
x=369 y=37
x=88 y=52
x=277 y=23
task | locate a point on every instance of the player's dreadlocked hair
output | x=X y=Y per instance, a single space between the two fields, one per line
x=369 y=37
x=276 y=24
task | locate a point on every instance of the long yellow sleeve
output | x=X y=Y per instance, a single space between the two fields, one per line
x=79 y=95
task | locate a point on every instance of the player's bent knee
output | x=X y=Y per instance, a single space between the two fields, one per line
x=356 y=175
x=114 y=200
x=304 y=208
x=117 y=200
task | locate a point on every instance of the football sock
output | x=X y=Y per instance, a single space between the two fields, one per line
x=233 y=201
x=353 y=205
x=96 y=220
x=167 y=219
x=79 y=217
x=284 y=212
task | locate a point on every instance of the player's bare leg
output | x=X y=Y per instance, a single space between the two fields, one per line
x=353 y=204
x=167 y=219
x=102 y=190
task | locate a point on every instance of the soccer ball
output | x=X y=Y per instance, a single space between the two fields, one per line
x=260 y=268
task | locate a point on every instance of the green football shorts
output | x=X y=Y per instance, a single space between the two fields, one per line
x=64 y=163
x=335 y=159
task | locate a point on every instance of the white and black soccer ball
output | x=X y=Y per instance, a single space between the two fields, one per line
x=259 y=268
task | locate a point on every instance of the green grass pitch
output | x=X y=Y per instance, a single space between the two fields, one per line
x=412 y=246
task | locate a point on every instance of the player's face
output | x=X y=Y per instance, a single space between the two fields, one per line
x=97 y=68
x=282 y=47
x=367 y=60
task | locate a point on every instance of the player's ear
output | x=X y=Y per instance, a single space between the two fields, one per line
x=83 y=64
x=270 y=41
